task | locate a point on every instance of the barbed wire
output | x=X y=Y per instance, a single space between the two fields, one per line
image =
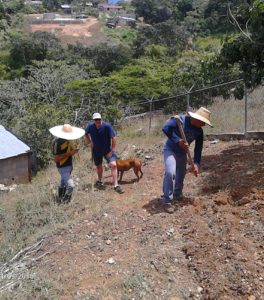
x=182 y=94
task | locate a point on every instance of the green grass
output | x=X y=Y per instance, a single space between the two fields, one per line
x=27 y=217
x=34 y=288
x=210 y=43
x=4 y=56
x=121 y=34
x=228 y=116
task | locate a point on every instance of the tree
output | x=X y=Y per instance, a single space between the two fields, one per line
x=153 y=11
x=46 y=81
x=35 y=46
x=13 y=6
x=246 y=48
x=51 y=5
x=157 y=11
x=12 y=101
x=216 y=16
x=108 y=58
x=34 y=126
x=167 y=34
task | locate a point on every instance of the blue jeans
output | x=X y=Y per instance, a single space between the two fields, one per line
x=66 y=180
x=175 y=170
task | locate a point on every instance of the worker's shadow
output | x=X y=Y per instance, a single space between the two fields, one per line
x=155 y=206
x=124 y=182
x=121 y=182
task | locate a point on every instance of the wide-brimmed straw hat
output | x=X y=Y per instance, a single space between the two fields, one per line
x=202 y=114
x=67 y=132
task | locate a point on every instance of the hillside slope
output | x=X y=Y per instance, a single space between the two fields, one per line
x=126 y=247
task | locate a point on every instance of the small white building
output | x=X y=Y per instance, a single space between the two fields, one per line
x=33 y=2
x=15 y=159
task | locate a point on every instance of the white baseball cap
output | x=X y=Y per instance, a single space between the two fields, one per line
x=96 y=116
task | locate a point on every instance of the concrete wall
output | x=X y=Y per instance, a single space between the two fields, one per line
x=15 y=169
x=59 y=21
x=250 y=135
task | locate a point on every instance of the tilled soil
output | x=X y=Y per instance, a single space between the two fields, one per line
x=210 y=248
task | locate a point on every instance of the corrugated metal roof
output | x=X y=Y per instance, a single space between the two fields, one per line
x=112 y=1
x=10 y=145
x=112 y=6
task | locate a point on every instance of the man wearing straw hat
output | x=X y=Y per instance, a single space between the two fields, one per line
x=63 y=151
x=100 y=136
x=175 y=150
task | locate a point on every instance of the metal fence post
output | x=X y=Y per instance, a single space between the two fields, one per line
x=188 y=98
x=246 y=108
x=150 y=113
x=188 y=102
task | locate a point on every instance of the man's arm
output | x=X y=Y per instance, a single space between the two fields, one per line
x=198 y=153
x=113 y=143
x=88 y=140
x=198 y=149
x=169 y=131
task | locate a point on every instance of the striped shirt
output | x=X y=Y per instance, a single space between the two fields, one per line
x=61 y=146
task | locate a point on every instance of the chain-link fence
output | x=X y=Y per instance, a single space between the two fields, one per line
x=228 y=114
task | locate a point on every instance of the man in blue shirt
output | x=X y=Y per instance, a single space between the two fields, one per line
x=101 y=138
x=175 y=150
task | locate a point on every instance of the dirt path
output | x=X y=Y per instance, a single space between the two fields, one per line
x=210 y=248
x=89 y=32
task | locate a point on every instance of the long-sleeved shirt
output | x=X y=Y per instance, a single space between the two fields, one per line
x=192 y=133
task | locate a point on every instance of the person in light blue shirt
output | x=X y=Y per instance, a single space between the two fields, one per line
x=101 y=137
x=175 y=152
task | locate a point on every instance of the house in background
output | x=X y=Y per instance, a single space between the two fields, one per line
x=67 y=9
x=118 y=1
x=126 y=20
x=33 y=2
x=109 y=7
x=15 y=159
x=121 y=20
x=112 y=1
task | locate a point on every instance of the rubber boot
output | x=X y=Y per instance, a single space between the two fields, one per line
x=61 y=194
x=67 y=198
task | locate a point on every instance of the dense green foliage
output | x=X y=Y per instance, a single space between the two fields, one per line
x=168 y=34
x=24 y=49
x=246 y=49
x=157 y=11
x=179 y=45
x=104 y=57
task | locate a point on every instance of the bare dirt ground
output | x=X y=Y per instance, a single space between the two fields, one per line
x=210 y=248
x=89 y=32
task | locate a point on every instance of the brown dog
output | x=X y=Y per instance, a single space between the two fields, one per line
x=127 y=164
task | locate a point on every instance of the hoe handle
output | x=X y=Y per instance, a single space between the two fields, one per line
x=185 y=141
